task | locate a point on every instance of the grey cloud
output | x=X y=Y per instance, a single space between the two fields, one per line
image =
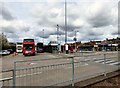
x=47 y=34
x=6 y=14
x=26 y=29
x=101 y=19
x=91 y=33
x=53 y=15
x=43 y=21
x=88 y=38
x=60 y=32
x=40 y=34
x=13 y=36
x=116 y=33
x=71 y=34
x=8 y=29
x=11 y=29
x=69 y=28
x=70 y=39
x=15 y=33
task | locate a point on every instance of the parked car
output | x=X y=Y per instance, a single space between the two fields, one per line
x=10 y=50
x=4 y=52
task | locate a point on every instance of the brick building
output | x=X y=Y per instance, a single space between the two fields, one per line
x=104 y=45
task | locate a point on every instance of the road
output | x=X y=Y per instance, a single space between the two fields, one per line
x=87 y=65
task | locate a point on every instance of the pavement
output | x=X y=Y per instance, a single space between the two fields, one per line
x=47 y=72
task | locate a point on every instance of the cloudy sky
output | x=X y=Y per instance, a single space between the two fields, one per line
x=92 y=19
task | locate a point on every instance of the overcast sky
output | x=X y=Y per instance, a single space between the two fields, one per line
x=93 y=19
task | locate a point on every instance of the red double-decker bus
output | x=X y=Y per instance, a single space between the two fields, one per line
x=28 y=47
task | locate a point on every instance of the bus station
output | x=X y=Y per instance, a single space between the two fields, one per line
x=59 y=43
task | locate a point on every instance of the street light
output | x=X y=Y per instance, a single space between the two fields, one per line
x=65 y=22
x=57 y=33
x=43 y=36
x=75 y=39
x=58 y=46
x=66 y=46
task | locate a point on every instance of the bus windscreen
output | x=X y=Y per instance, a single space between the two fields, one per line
x=28 y=46
x=28 y=40
x=40 y=45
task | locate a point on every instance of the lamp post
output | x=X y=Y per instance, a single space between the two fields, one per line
x=57 y=33
x=66 y=46
x=59 y=47
x=43 y=36
x=65 y=22
x=75 y=39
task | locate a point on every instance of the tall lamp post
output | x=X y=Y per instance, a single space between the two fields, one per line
x=66 y=46
x=65 y=22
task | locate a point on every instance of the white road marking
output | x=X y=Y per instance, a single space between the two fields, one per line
x=94 y=58
x=77 y=66
x=99 y=61
x=114 y=63
x=87 y=59
x=29 y=74
x=109 y=61
x=84 y=64
x=31 y=63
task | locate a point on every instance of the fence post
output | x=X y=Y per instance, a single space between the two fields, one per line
x=81 y=53
x=72 y=71
x=14 y=75
x=105 y=64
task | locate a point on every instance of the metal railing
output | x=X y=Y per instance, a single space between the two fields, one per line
x=7 y=81
x=45 y=75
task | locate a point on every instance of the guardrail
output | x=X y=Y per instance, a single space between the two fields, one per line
x=8 y=81
x=46 y=75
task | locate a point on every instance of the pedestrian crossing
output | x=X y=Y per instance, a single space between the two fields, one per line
x=108 y=62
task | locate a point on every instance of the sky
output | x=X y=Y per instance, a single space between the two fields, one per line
x=92 y=19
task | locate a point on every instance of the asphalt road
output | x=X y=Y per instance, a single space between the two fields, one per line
x=44 y=73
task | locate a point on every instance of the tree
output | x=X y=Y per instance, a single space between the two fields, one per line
x=4 y=44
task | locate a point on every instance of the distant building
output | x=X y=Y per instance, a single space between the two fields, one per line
x=53 y=43
x=52 y=47
x=107 y=45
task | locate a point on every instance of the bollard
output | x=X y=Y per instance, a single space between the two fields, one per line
x=73 y=71
x=105 y=64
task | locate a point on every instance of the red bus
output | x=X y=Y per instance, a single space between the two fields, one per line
x=40 y=47
x=28 y=47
